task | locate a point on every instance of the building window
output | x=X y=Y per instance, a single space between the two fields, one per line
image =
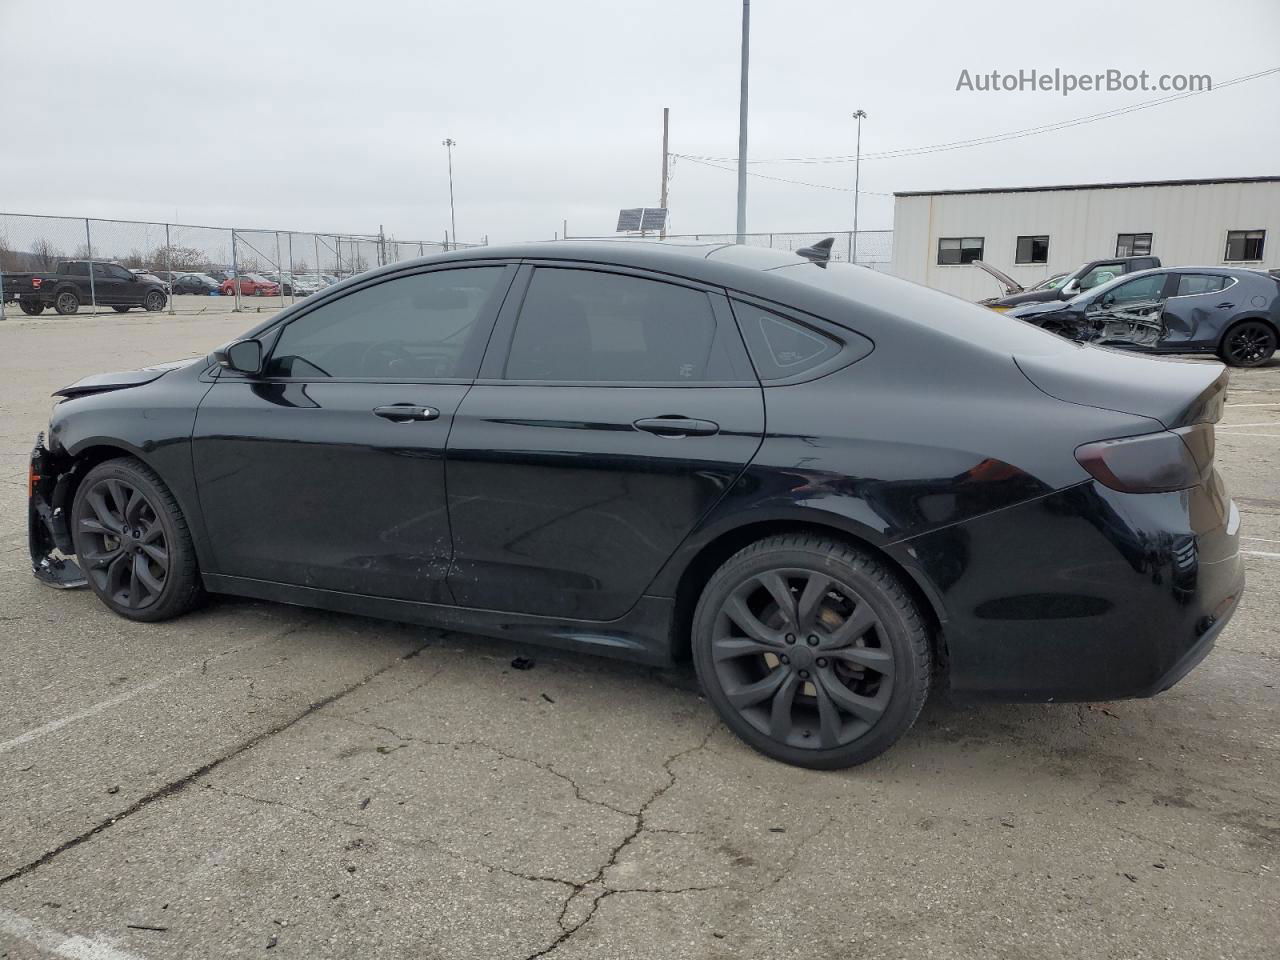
x=1133 y=245
x=1244 y=244
x=1032 y=250
x=959 y=249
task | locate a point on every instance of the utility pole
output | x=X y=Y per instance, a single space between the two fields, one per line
x=662 y=200
x=742 y=124
x=449 y=143
x=858 y=115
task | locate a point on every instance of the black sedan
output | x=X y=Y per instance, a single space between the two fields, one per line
x=1226 y=311
x=823 y=485
x=200 y=284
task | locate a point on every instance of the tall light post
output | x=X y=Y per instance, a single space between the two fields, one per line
x=742 y=124
x=449 y=143
x=858 y=115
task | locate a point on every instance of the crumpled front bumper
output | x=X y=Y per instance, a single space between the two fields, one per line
x=48 y=534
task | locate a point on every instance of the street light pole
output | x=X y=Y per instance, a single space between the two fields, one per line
x=449 y=143
x=858 y=115
x=742 y=124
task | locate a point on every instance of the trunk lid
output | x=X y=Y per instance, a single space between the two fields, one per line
x=1177 y=393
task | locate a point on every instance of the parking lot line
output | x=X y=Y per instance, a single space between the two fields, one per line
x=1231 y=406
x=57 y=943
x=1260 y=553
x=58 y=724
x=1273 y=436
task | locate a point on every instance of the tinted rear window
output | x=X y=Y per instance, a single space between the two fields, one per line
x=595 y=327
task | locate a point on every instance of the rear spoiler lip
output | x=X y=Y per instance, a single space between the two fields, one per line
x=1205 y=406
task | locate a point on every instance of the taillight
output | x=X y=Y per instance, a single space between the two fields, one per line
x=33 y=480
x=1151 y=463
x=35 y=283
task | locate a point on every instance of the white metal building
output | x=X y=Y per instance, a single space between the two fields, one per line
x=1031 y=233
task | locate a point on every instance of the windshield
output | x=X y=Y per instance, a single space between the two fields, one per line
x=1102 y=288
x=1053 y=283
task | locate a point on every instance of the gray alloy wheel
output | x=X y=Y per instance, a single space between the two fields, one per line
x=1249 y=344
x=812 y=651
x=132 y=542
x=153 y=301
x=66 y=302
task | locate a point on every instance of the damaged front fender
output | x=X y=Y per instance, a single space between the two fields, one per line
x=48 y=534
x=1132 y=325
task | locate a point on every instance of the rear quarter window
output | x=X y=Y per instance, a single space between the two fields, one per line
x=783 y=348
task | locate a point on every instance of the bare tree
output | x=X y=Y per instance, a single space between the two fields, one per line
x=179 y=259
x=45 y=254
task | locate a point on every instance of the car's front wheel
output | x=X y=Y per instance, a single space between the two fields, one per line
x=812 y=651
x=1250 y=343
x=153 y=301
x=133 y=543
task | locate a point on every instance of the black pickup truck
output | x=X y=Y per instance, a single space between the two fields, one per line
x=82 y=281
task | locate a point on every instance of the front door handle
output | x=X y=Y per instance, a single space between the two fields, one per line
x=677 y=427
x=1225 y=306
x=406 y=412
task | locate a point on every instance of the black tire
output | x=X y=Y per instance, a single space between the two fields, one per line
x=118 y=537
x=861 y=651
x=120 y=308
x=32 y=308
x=1250 y=343
x=66 y=302
x=153 y=302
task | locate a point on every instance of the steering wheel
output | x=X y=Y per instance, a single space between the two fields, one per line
x=379 y=358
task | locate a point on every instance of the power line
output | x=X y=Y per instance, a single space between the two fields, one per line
x=764 y=176
x=1000 y=137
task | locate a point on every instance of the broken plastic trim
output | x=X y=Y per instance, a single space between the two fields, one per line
x=48 y=538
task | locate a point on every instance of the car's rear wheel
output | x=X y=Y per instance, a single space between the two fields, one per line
x=1248 y=344
x=32 y=308
x=66 y=302
x=812 y=651
x=133 y=543
x=153 y=301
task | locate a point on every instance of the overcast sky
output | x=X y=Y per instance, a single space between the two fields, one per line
x=330 y=116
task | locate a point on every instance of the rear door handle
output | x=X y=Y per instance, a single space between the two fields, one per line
x=1225 y=306
x=677 y=427
x=406 y=412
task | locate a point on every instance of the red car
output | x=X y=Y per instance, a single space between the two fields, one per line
x=251 y=285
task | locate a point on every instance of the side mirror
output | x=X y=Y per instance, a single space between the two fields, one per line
x=1071 y=287
x=242 y=356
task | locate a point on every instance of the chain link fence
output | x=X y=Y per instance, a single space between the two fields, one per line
x=204 y=269
x=873 y=248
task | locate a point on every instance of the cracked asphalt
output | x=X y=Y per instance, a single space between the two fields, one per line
x=257 y=778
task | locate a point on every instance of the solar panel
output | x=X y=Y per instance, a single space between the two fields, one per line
x=642 y=219
x=629 y=220
x=653 y=218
